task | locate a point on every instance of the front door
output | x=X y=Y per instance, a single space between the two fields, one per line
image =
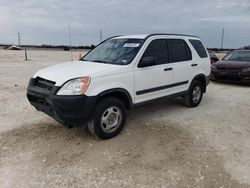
x=153 y=81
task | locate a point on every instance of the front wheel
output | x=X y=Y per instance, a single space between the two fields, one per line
x=109 y=118
x=194 y=96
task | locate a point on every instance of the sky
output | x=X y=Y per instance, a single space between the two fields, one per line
x=47 y=21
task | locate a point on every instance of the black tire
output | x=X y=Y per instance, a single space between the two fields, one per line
x=97 y=128
x=189 y=99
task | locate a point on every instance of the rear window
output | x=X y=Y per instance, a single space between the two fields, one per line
x=178 y=51
x=198 y=46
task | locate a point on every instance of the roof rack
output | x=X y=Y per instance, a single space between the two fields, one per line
x=150 y=35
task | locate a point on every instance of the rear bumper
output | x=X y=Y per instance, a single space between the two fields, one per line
x=208 y=79
x=73 y=110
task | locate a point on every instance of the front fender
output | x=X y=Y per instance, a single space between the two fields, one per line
x=119 y=81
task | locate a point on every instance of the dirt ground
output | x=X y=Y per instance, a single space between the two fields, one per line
x=164 y=144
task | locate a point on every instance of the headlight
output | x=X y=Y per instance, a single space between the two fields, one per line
x=246 y=69
x=213 y=67
x=75 y=87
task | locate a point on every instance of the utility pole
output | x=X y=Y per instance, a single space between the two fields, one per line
x=19 y=38
x=222 y=39
x=70 y=43
x=100 y=36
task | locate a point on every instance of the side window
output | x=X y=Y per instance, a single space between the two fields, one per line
x=198 y=46
x=178 y=50
x=158 y=50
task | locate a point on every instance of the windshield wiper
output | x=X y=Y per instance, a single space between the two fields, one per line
x=99 y=61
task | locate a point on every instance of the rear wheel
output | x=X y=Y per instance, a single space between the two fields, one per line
x=109 y=118
x=194 y=96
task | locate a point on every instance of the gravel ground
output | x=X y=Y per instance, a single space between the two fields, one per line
x=162 y=145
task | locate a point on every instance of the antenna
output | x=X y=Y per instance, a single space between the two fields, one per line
x=19 y=38
x=100 y=36
x=70 y=42
x=222 y=39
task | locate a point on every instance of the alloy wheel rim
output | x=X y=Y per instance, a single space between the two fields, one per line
x=111 y=119
x=196 y=95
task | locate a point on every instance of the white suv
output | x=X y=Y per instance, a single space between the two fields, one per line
x=119 y=74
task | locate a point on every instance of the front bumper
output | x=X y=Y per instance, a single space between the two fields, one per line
x=239 y=77
x=69 y=110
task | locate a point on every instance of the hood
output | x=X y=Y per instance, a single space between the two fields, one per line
x=232 y=64
x=61 y=73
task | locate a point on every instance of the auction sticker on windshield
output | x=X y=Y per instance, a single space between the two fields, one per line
x=131 y=45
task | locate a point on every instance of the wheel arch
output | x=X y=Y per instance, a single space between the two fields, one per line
x=202 y=79
x=119 y=93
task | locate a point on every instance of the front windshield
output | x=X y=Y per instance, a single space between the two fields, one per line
x=115 y=51
x=238 y=56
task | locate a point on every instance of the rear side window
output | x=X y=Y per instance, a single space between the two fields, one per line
x=157 y=49
x=178 y=50
x=198 y=46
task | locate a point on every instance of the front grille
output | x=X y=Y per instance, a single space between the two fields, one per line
x=229 y=70
x=36 y=99
x=227 y=78
x=43 y=83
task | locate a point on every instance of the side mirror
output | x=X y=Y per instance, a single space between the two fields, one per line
x=147 y=61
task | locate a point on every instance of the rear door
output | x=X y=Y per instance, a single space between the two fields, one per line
x=153 y=81
x=202 y=57
x=180 y=59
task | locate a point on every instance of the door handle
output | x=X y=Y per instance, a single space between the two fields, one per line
x=168 y=69
x=193 y=65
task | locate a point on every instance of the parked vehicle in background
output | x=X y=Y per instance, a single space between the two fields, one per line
x=14 y=47
x=119 y=74
x=213 y=56
x=234 y=67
